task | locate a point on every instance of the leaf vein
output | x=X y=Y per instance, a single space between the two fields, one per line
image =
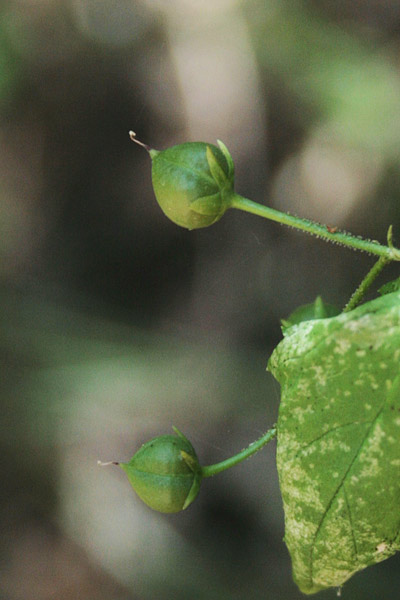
x=341 y=483
x=328 y=432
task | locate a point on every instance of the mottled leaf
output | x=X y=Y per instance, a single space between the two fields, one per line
x=338 y=452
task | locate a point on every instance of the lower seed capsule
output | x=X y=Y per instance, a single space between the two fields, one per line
x=165 y=473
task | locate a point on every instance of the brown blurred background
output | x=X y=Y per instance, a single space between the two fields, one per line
x=116 y=324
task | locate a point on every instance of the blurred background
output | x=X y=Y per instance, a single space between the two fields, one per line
x=116 y=324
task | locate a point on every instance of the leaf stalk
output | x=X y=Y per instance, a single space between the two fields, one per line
x=211 y=470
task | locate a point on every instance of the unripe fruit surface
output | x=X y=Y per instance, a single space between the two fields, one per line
x=165 y=473
x=187 y=190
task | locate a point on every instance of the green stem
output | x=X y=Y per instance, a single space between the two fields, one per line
x=327 y=233
x=365 y=284
x=211 y=470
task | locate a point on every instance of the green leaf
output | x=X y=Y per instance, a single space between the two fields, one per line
x=217 y=172
x=391 y=286
x=338 y=452
x=316 y=310
x=206 y=205
x=229 y=159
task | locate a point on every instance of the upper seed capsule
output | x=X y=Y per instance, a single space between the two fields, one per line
x=192 y=182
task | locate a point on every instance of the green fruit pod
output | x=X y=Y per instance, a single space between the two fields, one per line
x=165 y=473
x=192 y=182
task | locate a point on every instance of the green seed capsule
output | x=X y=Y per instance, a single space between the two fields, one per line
x=165 y=473
x=192 y=182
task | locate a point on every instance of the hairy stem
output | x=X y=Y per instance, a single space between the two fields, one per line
x=370 y=277
x=328 y=233
x=211 y=470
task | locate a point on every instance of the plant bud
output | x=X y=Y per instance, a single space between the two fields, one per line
x=310 y=312
x=192 y=182
x=165 y=473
